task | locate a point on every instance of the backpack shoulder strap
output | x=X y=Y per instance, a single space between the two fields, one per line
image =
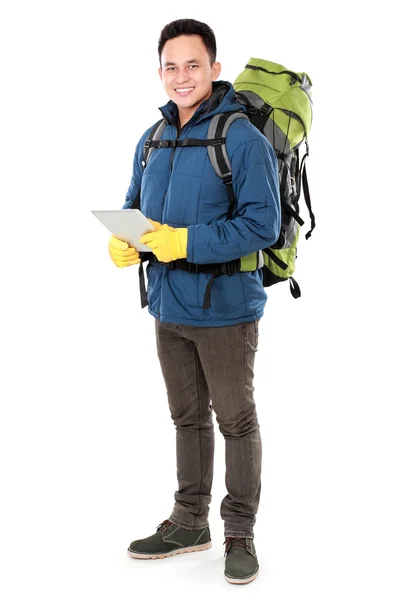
x=155 y=134
x=218 y=154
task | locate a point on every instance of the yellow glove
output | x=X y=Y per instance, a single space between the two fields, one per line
x=155 y=224
x=167 y=243
x=121 y=253
x=158 y=226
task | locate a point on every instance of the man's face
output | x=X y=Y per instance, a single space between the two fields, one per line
x=186 y=73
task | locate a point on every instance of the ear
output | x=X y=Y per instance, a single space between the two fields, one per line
x=216 y=70
x=160 y=73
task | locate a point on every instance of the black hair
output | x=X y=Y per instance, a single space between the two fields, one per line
x=189 y=27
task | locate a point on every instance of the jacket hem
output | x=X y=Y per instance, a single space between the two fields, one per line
x=208 y=323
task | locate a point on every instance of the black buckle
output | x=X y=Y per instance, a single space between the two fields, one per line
x=217 y=142
x=147 y=144
x=193 y=267
x=231 y=267
x=163 y=143
x=279 y=154
x=265 y=110
x=227 y=178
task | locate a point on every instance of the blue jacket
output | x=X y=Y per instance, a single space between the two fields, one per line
x=179 y=186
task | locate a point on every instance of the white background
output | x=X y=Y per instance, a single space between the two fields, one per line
x=86 y=442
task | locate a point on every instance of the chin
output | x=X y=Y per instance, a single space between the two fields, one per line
x=190 y=104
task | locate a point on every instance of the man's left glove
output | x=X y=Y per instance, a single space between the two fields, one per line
x=167 y=243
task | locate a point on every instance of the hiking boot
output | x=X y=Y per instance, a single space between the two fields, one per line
x=170 y=540
x=241 y=564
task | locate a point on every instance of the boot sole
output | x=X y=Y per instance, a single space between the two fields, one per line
x=241 y=581
x=172 y=553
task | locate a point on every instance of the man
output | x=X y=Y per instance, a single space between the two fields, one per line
x=205 y=353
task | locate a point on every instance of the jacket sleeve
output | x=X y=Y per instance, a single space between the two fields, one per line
x=137 y=172
x=258 y=219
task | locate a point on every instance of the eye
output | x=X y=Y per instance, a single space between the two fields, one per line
x=170 y=68
x=193 y=66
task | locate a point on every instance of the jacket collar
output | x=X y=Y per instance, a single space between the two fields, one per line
x=221 y=100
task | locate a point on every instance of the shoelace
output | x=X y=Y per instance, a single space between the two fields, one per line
x=165 y=524
x=232 y=541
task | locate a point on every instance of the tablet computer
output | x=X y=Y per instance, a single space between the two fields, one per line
x=127 y=224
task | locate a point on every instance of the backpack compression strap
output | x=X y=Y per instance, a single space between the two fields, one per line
x=302 y=177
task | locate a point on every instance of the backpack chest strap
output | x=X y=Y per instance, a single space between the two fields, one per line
x=183 y=143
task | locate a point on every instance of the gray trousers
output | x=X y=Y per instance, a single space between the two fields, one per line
x=206 y=369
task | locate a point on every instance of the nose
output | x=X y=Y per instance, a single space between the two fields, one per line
x=182 y=76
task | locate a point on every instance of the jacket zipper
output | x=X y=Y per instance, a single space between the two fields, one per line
x=171 y=160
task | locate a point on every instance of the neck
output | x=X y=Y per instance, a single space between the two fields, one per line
x=185 y=116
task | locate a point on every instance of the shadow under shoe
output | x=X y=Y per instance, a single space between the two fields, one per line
x=241 y=564
x=170 y=540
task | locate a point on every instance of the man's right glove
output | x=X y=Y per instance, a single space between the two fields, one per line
x=121 y=253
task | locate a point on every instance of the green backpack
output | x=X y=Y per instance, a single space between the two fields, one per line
x=279 y=104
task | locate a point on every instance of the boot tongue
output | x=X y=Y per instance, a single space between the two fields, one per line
x=236 y=544
x=237 y=549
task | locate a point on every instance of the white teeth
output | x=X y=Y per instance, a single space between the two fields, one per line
x=184 y=89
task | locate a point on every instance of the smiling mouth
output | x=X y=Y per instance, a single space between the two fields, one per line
x=185 y=90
